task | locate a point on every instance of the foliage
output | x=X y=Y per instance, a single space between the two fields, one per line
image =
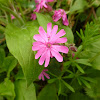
x=76 y=78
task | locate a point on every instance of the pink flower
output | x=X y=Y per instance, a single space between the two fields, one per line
x=42 y=74
x=60 y=14
x=12 y=17
x=41 y=4
x=47 y=44
x=33 y=16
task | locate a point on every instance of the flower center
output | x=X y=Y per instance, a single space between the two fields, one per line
x=48 y=45
x=62 y=13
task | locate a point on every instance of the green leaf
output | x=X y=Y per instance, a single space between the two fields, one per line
x=69 y=76
x=66 y=63
x=98 y=12
x=20 y=75
x=83 y=61
x=79 y=68
x=1 y=98
x=56 y=71
x=52 y=80
x=2 y=29
x=77 y=84
x=85 y=83
x=91 y=72
x=90 y=79
x=31 y=4
x=3 y=75
x=7 y=89
x=23 y=92
x=78 y=96
x=68 y=86
x=69 y=34
x=79 y=34
x=48 y=93
x=58 y=3
x=91 y=44
x=43 y=20
x=19 y=42
x=5 y=3
x=94 y=91
x=9 y=63
x=78 y=5
x=2 y=56
x=59 y=90
x=79 y=81
x=78 y=51
x=95 y=3
x=96 y=62
x=92 y=52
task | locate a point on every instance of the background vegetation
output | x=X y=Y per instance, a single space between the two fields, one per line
x=76 y=78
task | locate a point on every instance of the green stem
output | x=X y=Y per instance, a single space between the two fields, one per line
x=51 y=74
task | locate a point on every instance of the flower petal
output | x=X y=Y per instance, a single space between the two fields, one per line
x=61 y=33
x=35 y=48
x=45 y=70
x=65 y=21
x=49 y=28
x=46 y=75
x=54 y=30
x=59 y=48
x=38 y=43
x=49 y=8
x=37 y=8
x=53 y=33
x=43 y=77
x=43 y=33
x=40 y=76
x=38 y=37
x=33 y=16
x=12 y=16
x=56 y=16
x=47 y=58
x=42 y=58
x=61 y=40
x=39 y=53
x=44 y=5
x=36 y=1
x=57 y=55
